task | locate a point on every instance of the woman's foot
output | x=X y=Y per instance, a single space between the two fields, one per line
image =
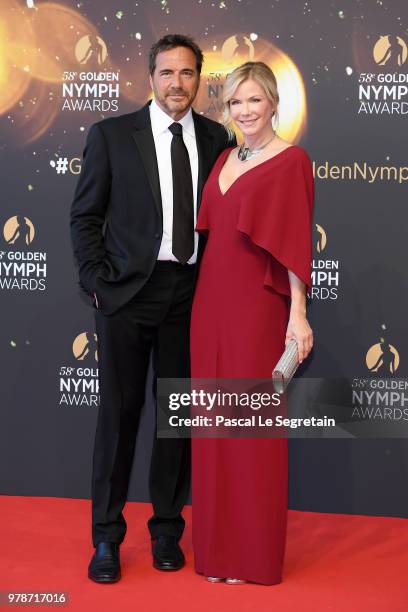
x=214 y=579
x=234 y=581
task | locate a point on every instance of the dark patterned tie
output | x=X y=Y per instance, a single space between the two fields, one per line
x=183 y=199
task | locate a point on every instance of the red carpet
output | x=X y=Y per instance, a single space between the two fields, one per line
x=333 y=562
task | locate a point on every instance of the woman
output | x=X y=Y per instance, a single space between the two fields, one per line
x=250 y=301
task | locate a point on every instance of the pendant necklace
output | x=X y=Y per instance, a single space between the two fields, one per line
x=245 y=153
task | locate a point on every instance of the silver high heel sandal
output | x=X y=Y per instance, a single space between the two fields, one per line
x=234 y=581
x=214 y=579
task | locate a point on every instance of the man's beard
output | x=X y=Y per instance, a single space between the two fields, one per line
x=184 y=99
x=184 y=102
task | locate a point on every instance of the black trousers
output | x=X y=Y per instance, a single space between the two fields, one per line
x=158 y=319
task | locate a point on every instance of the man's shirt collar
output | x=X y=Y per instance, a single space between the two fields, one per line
x=161 y=120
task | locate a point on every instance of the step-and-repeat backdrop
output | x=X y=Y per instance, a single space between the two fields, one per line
x=342 y=73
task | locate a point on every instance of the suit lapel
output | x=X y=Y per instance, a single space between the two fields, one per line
x=205 y=152
x=143 y=137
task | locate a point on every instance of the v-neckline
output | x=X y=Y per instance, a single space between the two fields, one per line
x=247 y=171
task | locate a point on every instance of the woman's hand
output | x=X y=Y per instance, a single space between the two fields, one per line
x=299 y=329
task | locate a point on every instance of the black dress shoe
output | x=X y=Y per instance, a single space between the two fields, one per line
x=167 y=554
x=105 y=564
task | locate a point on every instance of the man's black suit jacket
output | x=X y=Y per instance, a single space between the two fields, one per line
x=116 y=214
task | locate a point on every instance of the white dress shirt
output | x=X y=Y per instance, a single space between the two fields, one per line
x=162 y=139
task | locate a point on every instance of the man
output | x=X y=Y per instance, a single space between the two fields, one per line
x=132 y=225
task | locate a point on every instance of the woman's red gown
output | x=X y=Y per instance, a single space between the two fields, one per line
x=257 y=230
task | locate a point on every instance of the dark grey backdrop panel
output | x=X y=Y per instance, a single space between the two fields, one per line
x=46 y=445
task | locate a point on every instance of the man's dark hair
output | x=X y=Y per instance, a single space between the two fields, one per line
x=170 y=41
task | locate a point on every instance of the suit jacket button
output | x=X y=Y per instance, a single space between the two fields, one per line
x=157 y=235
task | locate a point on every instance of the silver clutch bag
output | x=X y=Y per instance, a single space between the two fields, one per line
x=287 y=365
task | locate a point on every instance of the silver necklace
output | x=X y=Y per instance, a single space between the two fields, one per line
x=245 y=153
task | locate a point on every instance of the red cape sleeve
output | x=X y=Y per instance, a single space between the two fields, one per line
x=277 y=216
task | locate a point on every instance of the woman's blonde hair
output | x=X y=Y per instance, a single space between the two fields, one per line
x=257 y=71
